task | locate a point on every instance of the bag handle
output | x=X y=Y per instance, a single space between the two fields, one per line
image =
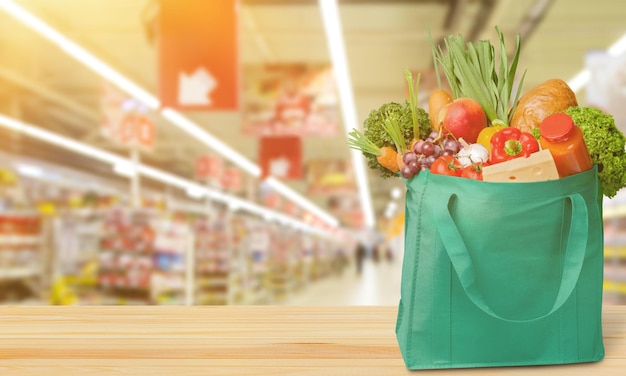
x=462 y=262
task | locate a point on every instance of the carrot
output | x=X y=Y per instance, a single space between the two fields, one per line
x=386 y=155
x=400 y=160
x=438 y=99
x=415 y=141
x=388 y=158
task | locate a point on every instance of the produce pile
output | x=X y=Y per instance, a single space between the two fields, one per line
x=484 y=130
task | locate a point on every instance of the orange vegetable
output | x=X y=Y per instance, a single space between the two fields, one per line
x=388 y=158
x=438 y=99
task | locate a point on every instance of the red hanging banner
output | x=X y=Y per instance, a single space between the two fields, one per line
x=281 y=157
x=198 y=54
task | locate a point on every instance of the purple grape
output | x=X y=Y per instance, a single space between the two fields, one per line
x=447 y=152
x=433 y=135
x=437 y=151
x=414 y=165
x=417 y=148
x=430 y=159
x=406 y=172
x=425 y=167
x=408 y=157
x=452 y=145
x=428 y=148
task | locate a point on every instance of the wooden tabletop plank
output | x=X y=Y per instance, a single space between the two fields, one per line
x=234 y=340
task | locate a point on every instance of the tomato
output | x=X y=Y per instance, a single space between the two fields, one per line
x=446 y=165
x=473 y=171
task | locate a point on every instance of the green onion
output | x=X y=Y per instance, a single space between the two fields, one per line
x=359 y=141
x=392 y=127
x=413 y=93
x=471 y=72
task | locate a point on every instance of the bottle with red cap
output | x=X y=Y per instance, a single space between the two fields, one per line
x=565 y=141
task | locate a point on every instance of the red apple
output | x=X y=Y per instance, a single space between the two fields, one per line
x=464 y=118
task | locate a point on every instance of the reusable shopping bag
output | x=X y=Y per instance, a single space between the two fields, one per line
x=501 y=274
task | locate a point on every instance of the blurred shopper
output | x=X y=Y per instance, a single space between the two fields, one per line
x=359 y=255
x=376 y=252
x=388 y=253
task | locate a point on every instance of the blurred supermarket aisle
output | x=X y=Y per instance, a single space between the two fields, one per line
x=378 y=284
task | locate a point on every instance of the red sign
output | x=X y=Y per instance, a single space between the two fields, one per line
x=198 y=54
x=291 y=208
x=209 y=167
x=232 y=179
x=271 y=200
x=124 y=119
x=281 y=157
x=136 y=129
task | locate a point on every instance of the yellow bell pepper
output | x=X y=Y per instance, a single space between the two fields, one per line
x=484 y=137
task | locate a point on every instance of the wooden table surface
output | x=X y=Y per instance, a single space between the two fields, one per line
x=234 y=340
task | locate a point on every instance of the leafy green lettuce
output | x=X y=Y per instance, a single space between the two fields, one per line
x=374 y=130
x=605 y=143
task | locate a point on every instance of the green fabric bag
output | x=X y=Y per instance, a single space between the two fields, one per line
x=501 y=274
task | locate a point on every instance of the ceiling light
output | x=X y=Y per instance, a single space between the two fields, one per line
x=223 y=149
x=192 y=188
x=581 y=79
x=104 y=70
x=619 y=47
x=307 y=205
x=195 y=192
x=334 y=38
x=79 y=53
x=125 y=169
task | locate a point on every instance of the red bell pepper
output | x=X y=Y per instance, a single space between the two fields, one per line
x=510 y=143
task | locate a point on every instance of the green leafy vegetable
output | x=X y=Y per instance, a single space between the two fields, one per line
x=413 y=94
x=374 y=129
x=605 y=143
x=393 y=129
x=358 y=141
x=471 y=72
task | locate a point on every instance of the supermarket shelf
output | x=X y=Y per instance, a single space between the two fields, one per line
x=615 y=252
x=18 y=273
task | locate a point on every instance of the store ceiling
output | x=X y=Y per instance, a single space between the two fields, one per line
x=44 y=86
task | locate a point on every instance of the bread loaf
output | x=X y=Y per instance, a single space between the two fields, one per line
x=550 y=97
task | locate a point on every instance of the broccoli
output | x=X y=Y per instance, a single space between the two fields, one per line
x=374 y=130
x=605 y=143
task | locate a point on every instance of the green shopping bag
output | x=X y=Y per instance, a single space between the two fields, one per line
x=501 y=274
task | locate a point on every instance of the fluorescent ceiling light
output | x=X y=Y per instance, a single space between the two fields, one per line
x=619 y=47
x=79 y=53
x=125 y=169
x=195 y=192
x=334 y=38
x=190 y=187
x=104 y=70
x=307 y=205
x=196 y=131
x=581 y=79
